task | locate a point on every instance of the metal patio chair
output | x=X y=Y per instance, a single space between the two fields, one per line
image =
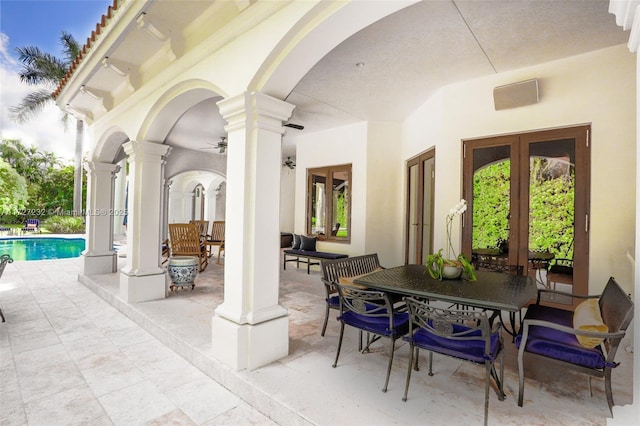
x=373 y=312
x=549 y=332
x=462 y=334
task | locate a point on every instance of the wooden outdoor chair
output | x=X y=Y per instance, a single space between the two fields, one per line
x=203 y=229
x=185 y=241
x=216 y=238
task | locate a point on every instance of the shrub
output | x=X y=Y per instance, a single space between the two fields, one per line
x=64 y=225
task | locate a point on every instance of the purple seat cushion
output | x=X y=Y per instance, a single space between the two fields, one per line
x=378 y=325
x=334 y=301
x=557 y=344
x=472 y=350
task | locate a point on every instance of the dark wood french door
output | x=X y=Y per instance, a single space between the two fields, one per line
x=420 y=196
x=529 y=193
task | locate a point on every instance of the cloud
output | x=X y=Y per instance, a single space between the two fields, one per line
x=45 y=130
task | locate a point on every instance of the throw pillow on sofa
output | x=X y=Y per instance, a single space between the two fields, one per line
x=296 y=242
x=308 y=243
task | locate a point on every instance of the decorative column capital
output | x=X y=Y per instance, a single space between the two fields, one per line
x=137 y=150
x=95 y=167
x=265 y=111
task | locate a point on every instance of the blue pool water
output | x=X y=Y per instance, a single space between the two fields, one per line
x=41 y=248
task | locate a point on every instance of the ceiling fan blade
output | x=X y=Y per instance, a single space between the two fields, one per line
x=294 y=126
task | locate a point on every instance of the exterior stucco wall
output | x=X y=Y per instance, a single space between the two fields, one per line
x=597 y=88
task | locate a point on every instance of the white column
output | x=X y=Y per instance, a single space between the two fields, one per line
x=627 y=14
x=165 y=209
x=250 y=329
x=143 y=278
x=99 y=256
x=119 y=203
x=221 y=201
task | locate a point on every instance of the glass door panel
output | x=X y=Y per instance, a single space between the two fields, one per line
x=419 y=215
x=551 y=227
x=318 y=203
x=528 y=195
x=428 y=167
x=340 y=206
x=491 y=202
x=412 y=213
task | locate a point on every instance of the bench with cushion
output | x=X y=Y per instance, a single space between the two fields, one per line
x=343 y=271
x=304 y=251
x=309 y=257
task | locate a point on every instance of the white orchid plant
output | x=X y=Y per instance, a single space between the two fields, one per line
x=435 y=262
x=457 y=210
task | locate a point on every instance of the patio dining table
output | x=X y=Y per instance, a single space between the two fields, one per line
x=493 y=291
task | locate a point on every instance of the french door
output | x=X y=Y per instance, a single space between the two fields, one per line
x=420 y=196
x=529 y=194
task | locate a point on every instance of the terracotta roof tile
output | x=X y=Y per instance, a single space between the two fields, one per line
x=87 y=46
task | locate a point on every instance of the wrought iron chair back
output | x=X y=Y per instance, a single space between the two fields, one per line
x=463 y=334
x=333 y=270
x=373 y=312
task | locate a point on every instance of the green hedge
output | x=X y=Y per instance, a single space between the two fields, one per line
x=64 y=225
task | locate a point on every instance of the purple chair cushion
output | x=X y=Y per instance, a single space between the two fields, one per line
x=378 y=325
x=334 y=301
x=472 y=350
x=557 y=344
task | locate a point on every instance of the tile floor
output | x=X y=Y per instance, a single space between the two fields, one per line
x=72 y=352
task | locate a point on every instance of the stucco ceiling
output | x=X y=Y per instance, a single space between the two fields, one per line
x=409 y=55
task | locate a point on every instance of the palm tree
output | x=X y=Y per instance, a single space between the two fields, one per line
x=43 y=69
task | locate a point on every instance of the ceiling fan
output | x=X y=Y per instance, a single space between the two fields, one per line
x=221 y=145
x=289 y=163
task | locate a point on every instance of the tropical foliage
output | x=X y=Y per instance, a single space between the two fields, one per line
x=14 y=189
x=34 y=183
x=551 y=207
x=45 y=72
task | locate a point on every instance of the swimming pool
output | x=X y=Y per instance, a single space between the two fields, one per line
x=40 y=248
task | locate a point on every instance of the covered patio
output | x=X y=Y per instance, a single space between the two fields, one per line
x=155 y=85
x=301 y=388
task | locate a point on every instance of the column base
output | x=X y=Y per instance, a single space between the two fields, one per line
x=99 y=264
x=142 y=288
x=246 y=346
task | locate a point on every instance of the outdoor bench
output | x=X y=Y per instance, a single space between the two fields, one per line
x=309 y=257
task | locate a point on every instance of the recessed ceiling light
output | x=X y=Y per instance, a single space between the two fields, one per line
x=360 y=64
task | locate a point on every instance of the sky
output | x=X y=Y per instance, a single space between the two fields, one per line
x=40 y=23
